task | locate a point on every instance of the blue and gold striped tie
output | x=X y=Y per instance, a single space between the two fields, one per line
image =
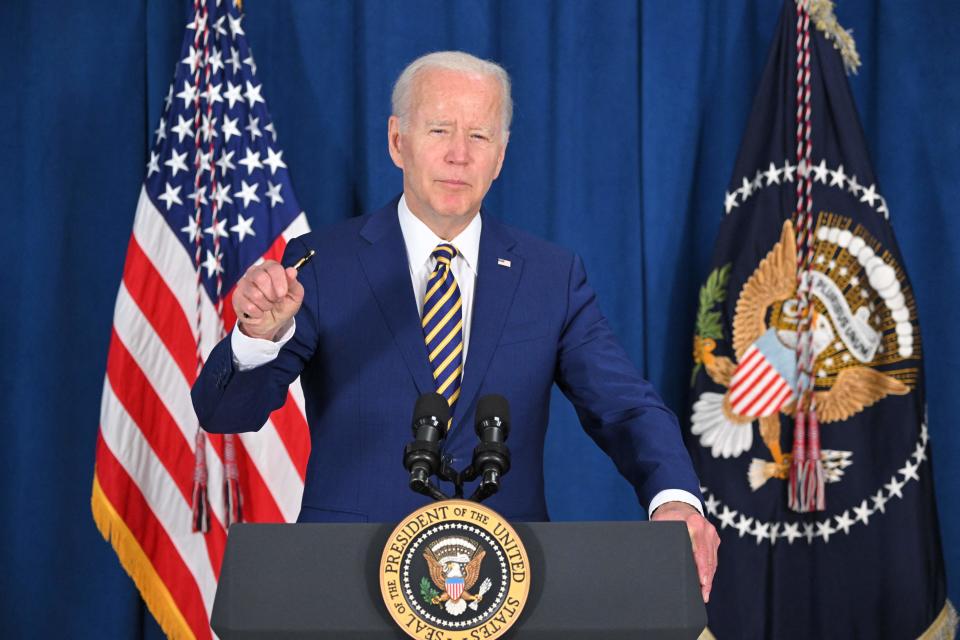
x=443 y=325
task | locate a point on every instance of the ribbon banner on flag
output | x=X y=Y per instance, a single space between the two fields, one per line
x=808 y=422
x=216 y=199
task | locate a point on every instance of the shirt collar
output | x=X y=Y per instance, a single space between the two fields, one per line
x=421 y=241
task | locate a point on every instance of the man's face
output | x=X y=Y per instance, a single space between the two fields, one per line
x=452 y=148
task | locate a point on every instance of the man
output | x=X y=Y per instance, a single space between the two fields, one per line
x=491 y=310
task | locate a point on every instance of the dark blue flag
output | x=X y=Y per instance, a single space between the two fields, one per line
x=808 y=422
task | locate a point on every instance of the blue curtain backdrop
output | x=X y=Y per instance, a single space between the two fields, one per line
x=628 y=119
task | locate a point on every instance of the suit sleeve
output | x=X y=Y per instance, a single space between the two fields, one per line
x=618 y=409
x=227 y=400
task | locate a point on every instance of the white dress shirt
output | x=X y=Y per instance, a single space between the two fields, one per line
x=420 y=241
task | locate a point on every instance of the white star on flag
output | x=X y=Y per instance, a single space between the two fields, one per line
x=729 y=201
x=200 y=193
x=183 y=129
x=825 y=530
x=869 y=195
x=212 y=94
x=252 y=161
x=253 y=94
x=838 y=177
x=235 y=28
x=274 y=160
x=219 y=229
x=153 y=166
x=234 y=61
x=273 y=192
x=895 y=487
x=791 y=532
x=222 y=195
x=193 y=59
x=820 y=172
x=229 y=128
x=176 y=162
x=171 y=196
x=243 y=228
x=233 y=93
x=727 y=517
x=202 y=161
x=192 y=230
x=225 y=163
x=216 y=58
x=844 y=522
x=198 y=24
x=788 y=171
x=212 y=264
x=772 y=174
x=863 y=512
x=209 y=127
x=188 y=95
x=253 y=126
x=248 y=192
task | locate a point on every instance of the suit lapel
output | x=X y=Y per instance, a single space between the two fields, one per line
x=493 y=296
x=385 y=265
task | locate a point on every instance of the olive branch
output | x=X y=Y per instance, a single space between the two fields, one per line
x=712 y=293
x=427 y=592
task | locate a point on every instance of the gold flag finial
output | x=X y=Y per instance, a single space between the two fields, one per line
x=821 y=11
x=239 y=4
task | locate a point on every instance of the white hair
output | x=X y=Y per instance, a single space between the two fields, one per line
x=458 y=61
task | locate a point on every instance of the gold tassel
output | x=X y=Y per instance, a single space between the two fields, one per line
x=135 y=562
x=821 y=12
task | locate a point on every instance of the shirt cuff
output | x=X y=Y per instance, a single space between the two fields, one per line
x=250 y=353
x=674 y=495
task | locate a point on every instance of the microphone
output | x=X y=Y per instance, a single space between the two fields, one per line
x=421 y=457
x=491 y=458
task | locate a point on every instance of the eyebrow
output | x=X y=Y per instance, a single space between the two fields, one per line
x=450 y=123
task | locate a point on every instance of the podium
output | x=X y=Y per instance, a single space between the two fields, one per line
x=590 y=580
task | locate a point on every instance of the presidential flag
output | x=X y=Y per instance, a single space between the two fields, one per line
x=216 y=198
x=808 y=424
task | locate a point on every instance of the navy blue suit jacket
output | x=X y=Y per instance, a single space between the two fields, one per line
x=359 y=350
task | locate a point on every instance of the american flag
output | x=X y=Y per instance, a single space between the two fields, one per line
x=217 y=198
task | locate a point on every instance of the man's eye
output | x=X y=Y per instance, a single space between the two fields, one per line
x=480 y=136
x=438 y=130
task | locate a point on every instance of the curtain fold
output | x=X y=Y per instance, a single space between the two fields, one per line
x=628 y=117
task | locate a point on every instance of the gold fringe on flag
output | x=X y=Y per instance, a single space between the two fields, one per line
x=943 y=628
x=138 y=566
x=821 y=12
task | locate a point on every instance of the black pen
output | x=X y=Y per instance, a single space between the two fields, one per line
x=304 y=260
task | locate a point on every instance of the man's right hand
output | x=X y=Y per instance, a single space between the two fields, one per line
x=266 y=299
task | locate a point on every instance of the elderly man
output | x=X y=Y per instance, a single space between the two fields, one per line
x=427 y=294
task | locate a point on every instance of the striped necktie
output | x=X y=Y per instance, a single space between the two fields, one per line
x=443 y=325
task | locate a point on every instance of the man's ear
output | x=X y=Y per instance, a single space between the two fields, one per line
x=394 y=141
x=503 y=154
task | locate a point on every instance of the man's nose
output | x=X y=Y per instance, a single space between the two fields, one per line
x=458 y=150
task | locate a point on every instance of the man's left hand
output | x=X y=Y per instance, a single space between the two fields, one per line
x=703 y=536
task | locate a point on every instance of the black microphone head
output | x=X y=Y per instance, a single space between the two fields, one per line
x=432 y=405
x=493 y=407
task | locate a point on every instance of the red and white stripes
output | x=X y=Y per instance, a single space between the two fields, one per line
x=142 y=495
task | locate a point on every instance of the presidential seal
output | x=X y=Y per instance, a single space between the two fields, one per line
x=454 y=570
